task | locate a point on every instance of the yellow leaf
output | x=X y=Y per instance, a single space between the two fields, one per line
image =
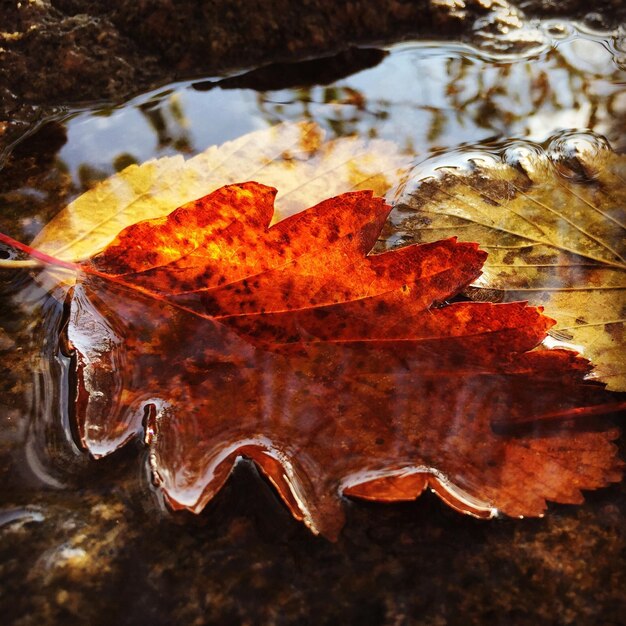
x=292 y=157
x=555 y=231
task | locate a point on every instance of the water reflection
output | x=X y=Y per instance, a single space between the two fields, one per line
x=425 y=97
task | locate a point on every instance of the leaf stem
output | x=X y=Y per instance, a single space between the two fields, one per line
x=13 y=264
x=37 y=257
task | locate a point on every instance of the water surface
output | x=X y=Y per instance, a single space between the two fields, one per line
x=78 y=535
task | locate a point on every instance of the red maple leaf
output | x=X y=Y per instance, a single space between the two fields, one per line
x=336 y=371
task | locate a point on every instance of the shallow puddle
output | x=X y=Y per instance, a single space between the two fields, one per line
x=78 y=534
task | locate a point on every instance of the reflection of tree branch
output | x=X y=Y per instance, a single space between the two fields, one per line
x=341 y=109
x=616 y=121
x=169 y=122
x=493 y=107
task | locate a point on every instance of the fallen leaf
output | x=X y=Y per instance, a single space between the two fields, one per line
x=555 y=231
x=293 y=157
x=216 y=336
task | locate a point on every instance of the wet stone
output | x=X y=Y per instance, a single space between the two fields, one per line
x=92 y=558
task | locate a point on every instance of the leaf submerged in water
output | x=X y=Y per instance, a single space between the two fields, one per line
x=335 y=371
x=555 y=231
x=294 y=157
